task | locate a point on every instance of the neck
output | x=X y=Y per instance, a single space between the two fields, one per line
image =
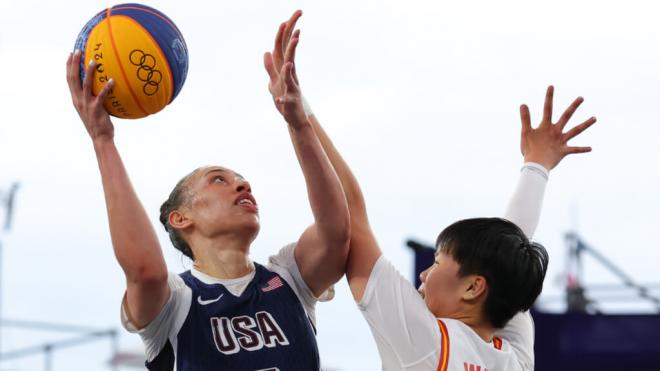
x=223 y=257
x=486 y=332
x=477 y=323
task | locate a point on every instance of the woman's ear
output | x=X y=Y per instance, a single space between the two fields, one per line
x=476 y=288
x=178 y=220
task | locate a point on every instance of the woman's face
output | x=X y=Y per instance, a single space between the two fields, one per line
x=221 y=202
x=442 y=288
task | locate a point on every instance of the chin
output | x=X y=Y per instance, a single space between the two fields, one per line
x=253 y=228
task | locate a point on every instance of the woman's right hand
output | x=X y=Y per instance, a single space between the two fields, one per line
x=90 y=108
x=547 y=144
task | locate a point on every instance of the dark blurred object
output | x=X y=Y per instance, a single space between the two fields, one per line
x=599 y=342
x=7 y=202
x=424 y=257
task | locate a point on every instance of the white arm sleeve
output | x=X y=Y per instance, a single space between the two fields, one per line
x=168 y=322
x=524 y=210
x=406 y=332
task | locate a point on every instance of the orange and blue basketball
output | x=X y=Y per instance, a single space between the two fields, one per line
x=142 y=50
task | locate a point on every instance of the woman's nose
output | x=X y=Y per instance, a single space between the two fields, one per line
x=243 y=185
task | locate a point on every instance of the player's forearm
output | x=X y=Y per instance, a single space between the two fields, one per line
x=524 y=208
x=324 y=191
x=133 y=238
x=364 y=250
x=350 y=185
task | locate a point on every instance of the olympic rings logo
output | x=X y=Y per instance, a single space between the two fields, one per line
x=146 y=71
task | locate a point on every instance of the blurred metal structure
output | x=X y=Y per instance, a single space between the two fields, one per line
x=577 y=299
x=584 y=337
x=6 y=202
x=76 y=335
x=80 y=335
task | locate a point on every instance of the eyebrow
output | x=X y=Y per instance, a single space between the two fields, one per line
x=222 y=171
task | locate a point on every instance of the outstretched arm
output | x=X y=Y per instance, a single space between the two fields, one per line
x=322 y=250
x=543 y=148
x=364 y=251
x=133 y=238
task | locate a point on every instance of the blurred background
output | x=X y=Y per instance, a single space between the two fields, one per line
x=421 y=97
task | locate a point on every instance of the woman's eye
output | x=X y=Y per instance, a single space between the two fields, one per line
x=219 y=179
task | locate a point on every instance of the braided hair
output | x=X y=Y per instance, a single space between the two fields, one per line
x=178 y=197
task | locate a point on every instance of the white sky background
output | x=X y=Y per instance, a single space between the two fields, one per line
x=421 y=97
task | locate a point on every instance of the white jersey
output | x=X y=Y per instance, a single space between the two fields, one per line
x=410 y=338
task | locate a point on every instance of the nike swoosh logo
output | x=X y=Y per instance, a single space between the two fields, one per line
x=207 y=302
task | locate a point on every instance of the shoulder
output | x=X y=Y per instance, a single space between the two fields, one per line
x=168 y=322
x=283 y=258
x=519 y=333
x=406 y=332
x=460 y=344
x=284 y=264
x=385 y=281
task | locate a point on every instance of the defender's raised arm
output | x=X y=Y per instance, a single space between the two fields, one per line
x=543 y=148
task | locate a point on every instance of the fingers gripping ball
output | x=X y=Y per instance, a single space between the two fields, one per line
x=144 y=53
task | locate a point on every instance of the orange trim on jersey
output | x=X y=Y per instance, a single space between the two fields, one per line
x=497 y=343
x=444 y=347
x=121 y=67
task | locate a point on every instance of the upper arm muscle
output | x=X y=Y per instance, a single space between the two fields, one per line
x=144 y=300
x=363 y=255
x=320 y=266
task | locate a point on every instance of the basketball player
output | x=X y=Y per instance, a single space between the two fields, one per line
x=471 y=312
x=227 y=312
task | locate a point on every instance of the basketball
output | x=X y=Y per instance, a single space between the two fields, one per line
x=142 y=50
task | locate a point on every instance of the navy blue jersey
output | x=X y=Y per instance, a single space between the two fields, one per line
x=265 y=328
